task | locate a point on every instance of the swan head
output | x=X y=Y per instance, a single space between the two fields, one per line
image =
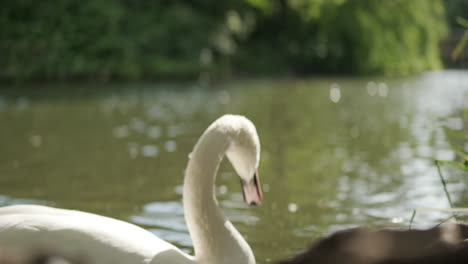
x=244 y=154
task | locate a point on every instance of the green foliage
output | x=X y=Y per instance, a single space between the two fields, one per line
x=462 y=162
x=462 y=21
x=133 y=39
x=395 y=44
x=455 y=9
x=456 y=138
x=463 y=41
x=102 y=38
x=366 y=36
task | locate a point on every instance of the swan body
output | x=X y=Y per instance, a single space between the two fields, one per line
x=30 y=229
x=99 y=239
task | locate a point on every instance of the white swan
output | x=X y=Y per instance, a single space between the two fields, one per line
x=103 y=240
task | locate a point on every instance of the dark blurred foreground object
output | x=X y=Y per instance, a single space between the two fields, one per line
x=13 y=257
x=443 y=244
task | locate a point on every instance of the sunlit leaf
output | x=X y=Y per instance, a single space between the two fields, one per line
x=457 y=134
x=459 y=150
x=460 y=46
x=453 y=164
x=462 y=21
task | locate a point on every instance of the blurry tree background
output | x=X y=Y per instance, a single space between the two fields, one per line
x=135 y=39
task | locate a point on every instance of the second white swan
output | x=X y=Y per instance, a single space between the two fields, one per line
x=102 y=240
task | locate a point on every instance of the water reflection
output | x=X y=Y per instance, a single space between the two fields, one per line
x=3 y=103
x=166 y=220
x=169 y=215
x=336 y=153
x=7 y=200
x=22 y=103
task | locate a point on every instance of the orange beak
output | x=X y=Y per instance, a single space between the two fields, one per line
x=252 y=190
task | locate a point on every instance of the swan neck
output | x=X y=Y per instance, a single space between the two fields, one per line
x=200 y=206
x=215 y=240
x=202 y=168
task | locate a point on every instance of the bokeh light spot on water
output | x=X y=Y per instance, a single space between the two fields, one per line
x=170 y=146
x=175 y=130
x=137 y=125
x=223 y=189
x=372 y=88
x=150 y=151
x=158 y=112
x=121 y=131
x=356 y=211
x=292 y=207
x=383 y=89
x=397 y=220
x=335 y=93
x=154 y=132
x=445 y=154
x=133 y=150
x=35 y=140
x=341 y=217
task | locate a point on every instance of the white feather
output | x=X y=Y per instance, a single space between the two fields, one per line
x=102 y=240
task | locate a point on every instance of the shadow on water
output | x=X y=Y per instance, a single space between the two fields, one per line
x=336 y=153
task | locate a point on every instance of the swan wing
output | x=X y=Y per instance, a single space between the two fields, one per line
x=97 y=239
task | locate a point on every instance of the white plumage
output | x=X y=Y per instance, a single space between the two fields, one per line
x=28 y=229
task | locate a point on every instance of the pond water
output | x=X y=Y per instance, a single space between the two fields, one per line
x=336 y=152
